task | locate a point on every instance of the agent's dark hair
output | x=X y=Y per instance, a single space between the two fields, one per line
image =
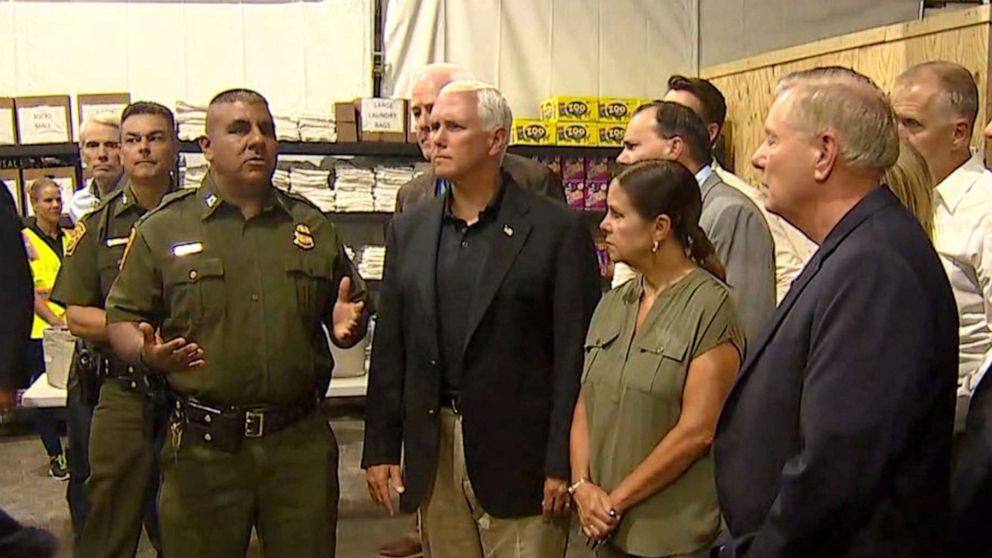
x=247 y=96
x=675 y=120
x=714 y=104
x=668 y=188
x=149 y=107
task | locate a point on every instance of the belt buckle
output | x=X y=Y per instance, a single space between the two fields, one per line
x=254 y=424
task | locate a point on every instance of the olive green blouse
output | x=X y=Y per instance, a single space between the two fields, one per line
x=632 y=386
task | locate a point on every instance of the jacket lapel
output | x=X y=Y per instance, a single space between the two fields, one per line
x=423 y=243
x=877 y=200
x=512 y=233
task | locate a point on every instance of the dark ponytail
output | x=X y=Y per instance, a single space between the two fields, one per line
x=702 y=252
x=668 y=188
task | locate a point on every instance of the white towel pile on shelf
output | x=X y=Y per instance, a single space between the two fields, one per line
x=287 y=127
x=354 y=188
x=192 y=176
x=281 y=179
x=371 y=262
x=317 y=127
x=191 y=119
x=388 y=180
x=313 y=184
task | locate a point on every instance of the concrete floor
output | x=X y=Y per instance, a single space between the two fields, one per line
x=31 y=496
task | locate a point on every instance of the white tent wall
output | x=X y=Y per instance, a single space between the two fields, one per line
x=532 y=49
x=301 y=54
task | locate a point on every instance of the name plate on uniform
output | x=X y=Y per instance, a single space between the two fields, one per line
x=384 y=115
x=43 y=119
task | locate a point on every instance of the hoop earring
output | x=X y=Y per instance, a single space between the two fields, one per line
x=654 y=247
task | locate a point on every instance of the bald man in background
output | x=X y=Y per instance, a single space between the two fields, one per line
x=936 y=104
x=525 y=171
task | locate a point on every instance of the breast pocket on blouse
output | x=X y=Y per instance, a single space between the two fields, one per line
x=658 y=365
x=311 y=277
x=196 y=289
x=599 y=346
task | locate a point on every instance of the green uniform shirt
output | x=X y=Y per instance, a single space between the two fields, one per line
x=253 y=294
x=632 y=386
x=92 y=258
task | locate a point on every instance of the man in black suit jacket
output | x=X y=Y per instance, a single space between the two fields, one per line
x=16 y=298
x=486 y=297
x=836 y=439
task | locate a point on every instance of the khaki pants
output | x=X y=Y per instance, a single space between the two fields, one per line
x=454 y=525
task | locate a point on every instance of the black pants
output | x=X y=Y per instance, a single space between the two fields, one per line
x=79 y=416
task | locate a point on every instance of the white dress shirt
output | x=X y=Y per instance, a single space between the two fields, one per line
x=85 y=199
x=963 y=239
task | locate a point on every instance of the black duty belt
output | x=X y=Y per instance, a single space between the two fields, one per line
x=226 y=426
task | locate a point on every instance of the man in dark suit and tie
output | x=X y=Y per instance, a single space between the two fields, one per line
x=486 y=297
x=836 y=439
x=526 y=172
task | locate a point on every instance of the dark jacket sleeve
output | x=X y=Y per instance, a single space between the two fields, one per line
x=16 y=296
x=576 y=293
x=18 y=541
x=868 y=380
x=383 y=418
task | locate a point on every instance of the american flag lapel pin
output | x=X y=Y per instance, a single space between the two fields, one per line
x=507 y=230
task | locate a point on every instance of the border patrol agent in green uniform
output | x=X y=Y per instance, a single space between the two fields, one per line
x=239 y=279
x=124 y=477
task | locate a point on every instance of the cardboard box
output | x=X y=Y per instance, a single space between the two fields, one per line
x=347 y=132
x=345 y=112
x=383 y=120
x=527 y=131
x=12 y=179
x=575 y=193
x=65 y=177
x=43 y=119
x=8 y=121
x=573 y=169
x=611 y=134
x=617 y=109
x=597 y=169
x=89 y=105
x=578 y=133
x=595 y=198
x=570 y=109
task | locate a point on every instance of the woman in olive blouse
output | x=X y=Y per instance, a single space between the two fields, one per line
x=661 y=355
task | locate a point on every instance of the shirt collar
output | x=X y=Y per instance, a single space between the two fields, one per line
x=957 y=184
x=95 y=190
x=32 y=223
x=130 y=201
x=491 y=209
x=210 y=198
x=703 y=174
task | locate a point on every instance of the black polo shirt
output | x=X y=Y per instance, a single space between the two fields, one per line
x=461 y=254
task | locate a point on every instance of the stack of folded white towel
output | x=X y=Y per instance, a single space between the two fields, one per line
x=371 y=262
x=281 y=178
x=317 y=127
x=354 y=188
x=313 y=184
x=388 y=180
x=192 y=176
x=191 y=119
x=287 y=127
